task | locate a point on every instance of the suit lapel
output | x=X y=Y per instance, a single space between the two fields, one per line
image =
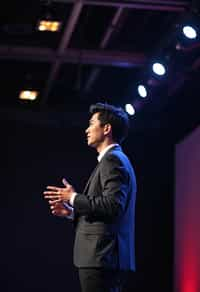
x=90 y=178
x=94 y=171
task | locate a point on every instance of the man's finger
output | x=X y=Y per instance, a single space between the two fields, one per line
x=53 y=188
x=53 y=198
x=54 y=212
x=53 y=202
x=65 y=182
x=51 y=193
x=53 y=207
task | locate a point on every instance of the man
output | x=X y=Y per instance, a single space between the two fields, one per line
x=104 y=213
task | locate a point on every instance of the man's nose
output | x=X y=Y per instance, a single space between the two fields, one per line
x=86 y=131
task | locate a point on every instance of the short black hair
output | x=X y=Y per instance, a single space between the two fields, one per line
x=115 y=116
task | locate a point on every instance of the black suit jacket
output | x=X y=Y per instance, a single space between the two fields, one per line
x=105 y=215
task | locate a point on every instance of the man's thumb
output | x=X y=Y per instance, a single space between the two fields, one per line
x=65 y=182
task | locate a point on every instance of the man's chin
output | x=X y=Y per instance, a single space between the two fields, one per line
x=91 y=144
x=88 y=142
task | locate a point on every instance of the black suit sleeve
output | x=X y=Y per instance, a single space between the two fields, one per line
x=112 y=188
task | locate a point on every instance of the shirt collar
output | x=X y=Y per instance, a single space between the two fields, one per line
x=103 y=152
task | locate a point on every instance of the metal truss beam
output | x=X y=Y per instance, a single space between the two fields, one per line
x=70 y=26
x=162 y=5
x=93 y=57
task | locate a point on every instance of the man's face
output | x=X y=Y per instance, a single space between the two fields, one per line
x=95 y=131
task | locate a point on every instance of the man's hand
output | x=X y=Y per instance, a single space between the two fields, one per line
x=59 y=195
x=58 y=209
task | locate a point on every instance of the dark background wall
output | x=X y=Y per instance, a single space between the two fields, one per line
x=36 y=252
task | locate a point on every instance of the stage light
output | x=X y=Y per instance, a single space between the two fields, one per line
x=28 y=94
x=49 y=25
x=48 y=20
x=189 y=32
x=159 y=69
x=130 y=109
x=142 y=91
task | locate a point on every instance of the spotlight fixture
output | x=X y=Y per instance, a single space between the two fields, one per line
x=28 y=94
x=142 y=91
x=49 y=20
x=130 y=109
x=48 y=25
x=159 y=69
x=189 y=32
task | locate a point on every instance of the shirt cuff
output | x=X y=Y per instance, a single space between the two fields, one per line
x=71 y=216
x=71 y=201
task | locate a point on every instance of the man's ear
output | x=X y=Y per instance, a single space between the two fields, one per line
x=107 y=129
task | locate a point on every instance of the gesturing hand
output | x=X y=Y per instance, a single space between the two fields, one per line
x=58 y=209
x=57 y=194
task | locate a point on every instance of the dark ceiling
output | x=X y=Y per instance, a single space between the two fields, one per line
x=103 y=50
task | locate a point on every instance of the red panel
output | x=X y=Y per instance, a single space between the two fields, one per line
x=187 y=215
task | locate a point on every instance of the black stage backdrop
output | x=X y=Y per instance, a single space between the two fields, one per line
x=36 y=247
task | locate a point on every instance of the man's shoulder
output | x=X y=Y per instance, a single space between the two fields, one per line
x=115 y=155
